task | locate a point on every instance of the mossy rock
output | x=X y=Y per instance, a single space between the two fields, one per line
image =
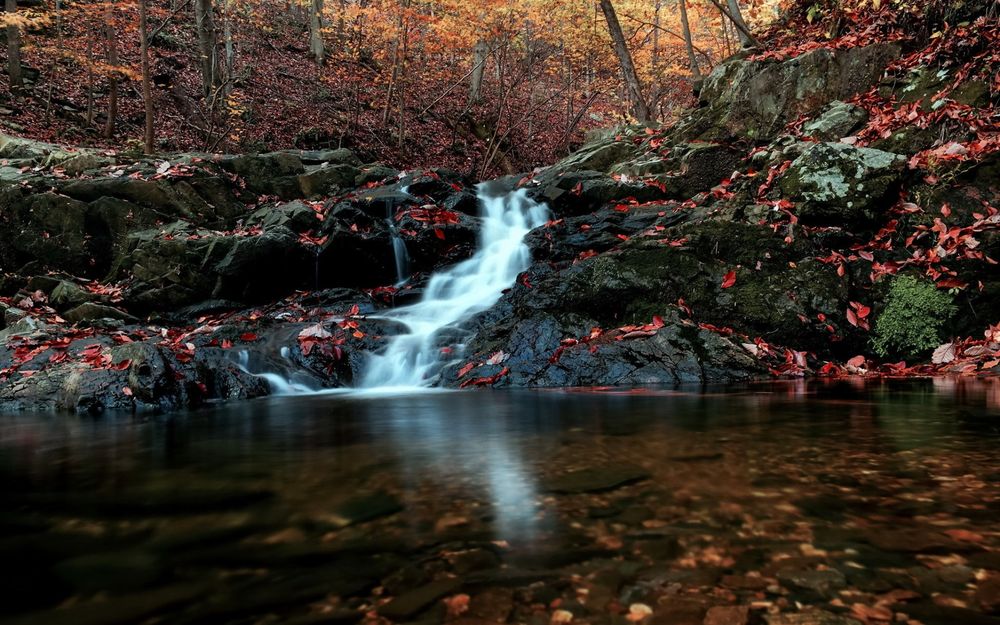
x=834 y=183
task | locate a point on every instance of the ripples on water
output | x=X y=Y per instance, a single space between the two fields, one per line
x=872 y=501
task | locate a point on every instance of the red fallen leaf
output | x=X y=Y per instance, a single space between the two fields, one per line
x=866 y=255
x=465 y=369
x=487 y=380
x=227 y=344
x=353 y=311
x=729 y=279
x=852 y=318
x=439 y=233
x=127 y=391
x=965 y=536
x=857 y=362
x=623 y=237
x=946 y=210
x=248 y=337
x=658 y=321
x=122 y=366
x=456 y=186
x=861 y=310
x=578 y=189
x=951 y=283
x=497 y=358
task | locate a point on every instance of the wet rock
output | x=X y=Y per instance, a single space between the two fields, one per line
x=810 y=617
x=111 y=572
x=184 y=266
x=988 y=594
x=69 y=295
x=837 y=183
x=595 y=479
x=916 y=540
x=416 y=601
x=296 y=216
x=823 y=583
x=364 y=508
x=727 y=615
x=326 y=180
x=131 y=608
x=934 y=614
x=91 y=311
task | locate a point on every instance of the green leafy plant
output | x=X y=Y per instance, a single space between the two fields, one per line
x=914 y=314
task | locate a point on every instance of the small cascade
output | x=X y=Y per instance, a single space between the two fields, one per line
x=454 y=295
x=399 y=251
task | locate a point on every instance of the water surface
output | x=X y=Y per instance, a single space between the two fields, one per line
x=518 y=507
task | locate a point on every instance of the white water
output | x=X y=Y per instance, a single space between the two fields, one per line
x=412 y=359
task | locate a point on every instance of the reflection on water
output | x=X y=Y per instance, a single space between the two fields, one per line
x=762 y=501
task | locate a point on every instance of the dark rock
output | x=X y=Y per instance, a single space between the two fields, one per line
x=595 y=479
x=809 y=617
x=365 y=508
x=416 y=601
x=91 y=311
x=111 y=572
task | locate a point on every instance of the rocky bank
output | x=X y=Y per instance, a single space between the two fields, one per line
x=763 y=234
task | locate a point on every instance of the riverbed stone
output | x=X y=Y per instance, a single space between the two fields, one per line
x=416 y=601
x=595 y=479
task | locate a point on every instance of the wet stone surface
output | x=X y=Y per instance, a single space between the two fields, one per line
x=788 y=504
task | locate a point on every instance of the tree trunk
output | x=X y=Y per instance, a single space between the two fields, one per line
x=316 y=47
x=14 y=50
x=111 y=35
x=204 y=20
x=639 y=107
x=227 y=34
x=741 y=26
x=688 y=44
x=147 y=89
x=479 y=54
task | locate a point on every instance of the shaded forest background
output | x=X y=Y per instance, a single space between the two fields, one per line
x=483 y=87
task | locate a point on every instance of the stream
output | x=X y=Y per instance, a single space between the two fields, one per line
x=513 y=506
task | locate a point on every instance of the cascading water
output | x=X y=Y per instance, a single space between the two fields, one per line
x=399 y=252
x=412 y=359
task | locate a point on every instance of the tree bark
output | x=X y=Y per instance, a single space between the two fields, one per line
x=204 y=20
x=640 y=109
x=316 y=46
x=14 y=50
x=479 y=54
x=111 y=40
x=746 y=40
x=147 y=89
x=688 y=44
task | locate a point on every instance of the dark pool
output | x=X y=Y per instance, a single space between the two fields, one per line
x=788 y=504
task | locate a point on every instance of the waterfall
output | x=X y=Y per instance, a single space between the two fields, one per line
x=455 y=294
x=399 y=251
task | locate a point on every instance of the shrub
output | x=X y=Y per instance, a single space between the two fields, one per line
x=914 y=314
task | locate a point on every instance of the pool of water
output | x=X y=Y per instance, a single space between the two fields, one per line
x=789 y=503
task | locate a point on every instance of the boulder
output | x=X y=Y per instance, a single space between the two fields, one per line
x=180 y=266
x=838 y=184
x=92 y=311
x=836 y=121
x=326 y=180
x=755 y=99
x=296 y=216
